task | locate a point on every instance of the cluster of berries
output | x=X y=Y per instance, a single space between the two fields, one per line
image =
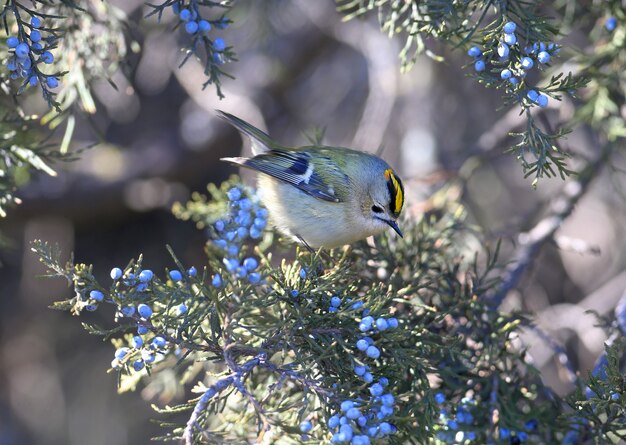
x=367 y=324
x=518 y=437
x=141 y=353
x=336 y=301
x=28 y=52
x=456 y=427
x=512 y=63
x=145 y=347
x=247 y=219
x=360 y=421
x=197 y=26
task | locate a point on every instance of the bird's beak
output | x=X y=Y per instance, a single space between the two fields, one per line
x=395 y=227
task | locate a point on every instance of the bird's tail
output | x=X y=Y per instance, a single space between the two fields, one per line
x=261 y=142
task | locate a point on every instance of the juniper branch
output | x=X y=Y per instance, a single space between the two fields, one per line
x=561 y=207
x=215 y=389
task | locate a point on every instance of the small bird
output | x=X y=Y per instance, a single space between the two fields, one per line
x=322 y=196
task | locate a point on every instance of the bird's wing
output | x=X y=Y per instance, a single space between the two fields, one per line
x=317 y=176
x=261 y=142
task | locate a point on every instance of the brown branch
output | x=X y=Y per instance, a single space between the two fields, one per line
x=531 y=242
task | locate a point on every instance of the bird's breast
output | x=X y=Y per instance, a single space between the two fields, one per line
x=318 y=222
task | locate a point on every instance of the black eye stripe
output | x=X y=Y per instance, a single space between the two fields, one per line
x=377 y=209
x=392 y=196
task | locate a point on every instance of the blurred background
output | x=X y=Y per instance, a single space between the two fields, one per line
x=300 y=68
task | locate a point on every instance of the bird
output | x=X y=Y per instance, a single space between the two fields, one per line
x=321 y=196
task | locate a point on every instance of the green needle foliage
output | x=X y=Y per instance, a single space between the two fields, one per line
x=210 y=51
x=504 y=60
x=600 y=407
x=23 y=150
x=70 y=47
x=264 y=353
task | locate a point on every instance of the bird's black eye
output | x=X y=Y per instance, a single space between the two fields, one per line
x=377 y=209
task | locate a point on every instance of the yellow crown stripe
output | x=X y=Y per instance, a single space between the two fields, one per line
x=397 y=189
x=399 y=194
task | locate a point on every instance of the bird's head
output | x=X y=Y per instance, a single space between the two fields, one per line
x=384 y=201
